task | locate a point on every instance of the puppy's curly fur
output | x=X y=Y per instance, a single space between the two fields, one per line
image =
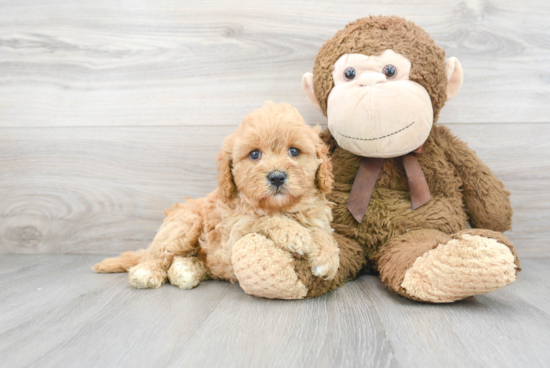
x=197 y=238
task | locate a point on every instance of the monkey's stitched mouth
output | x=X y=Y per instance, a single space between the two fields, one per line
x=374 y=139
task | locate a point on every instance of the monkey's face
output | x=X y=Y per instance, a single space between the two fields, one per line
x=377 y=103
x=374 y=110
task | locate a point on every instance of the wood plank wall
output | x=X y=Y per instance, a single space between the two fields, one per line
x=110 y=111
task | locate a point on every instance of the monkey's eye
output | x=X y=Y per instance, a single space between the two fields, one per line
x=349 y=73
x=255 y=155
x=389 y=71
x=294 y=152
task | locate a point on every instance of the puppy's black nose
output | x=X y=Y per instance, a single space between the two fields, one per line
x=276 y=178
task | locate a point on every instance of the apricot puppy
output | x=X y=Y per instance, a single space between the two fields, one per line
x=273 y=177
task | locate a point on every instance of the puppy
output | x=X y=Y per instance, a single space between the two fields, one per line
x=273 y=176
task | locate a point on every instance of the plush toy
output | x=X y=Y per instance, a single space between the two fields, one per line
x=406 y=188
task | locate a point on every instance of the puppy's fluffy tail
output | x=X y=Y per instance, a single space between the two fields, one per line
x=121 y=263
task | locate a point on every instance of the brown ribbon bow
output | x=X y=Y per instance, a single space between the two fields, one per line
x=367 y=175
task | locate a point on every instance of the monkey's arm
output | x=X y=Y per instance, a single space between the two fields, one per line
x=487 y=201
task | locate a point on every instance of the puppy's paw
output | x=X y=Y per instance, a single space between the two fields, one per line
x=186 y=273
x=324 y=257
x=326 y=267
x=290 y=235
x=143 y=277
x=298 y=243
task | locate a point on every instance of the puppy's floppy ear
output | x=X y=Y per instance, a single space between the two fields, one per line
x=226 y=185
x=324 y=172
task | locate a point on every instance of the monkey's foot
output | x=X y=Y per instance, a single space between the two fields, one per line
x=265 y=270
x=464 y=266
x=145 y=276
x=186 y=273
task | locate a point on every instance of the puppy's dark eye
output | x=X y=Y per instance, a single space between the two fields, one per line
x=255 y=155
x=389 y=71
x=349 y=74
x=294 y=152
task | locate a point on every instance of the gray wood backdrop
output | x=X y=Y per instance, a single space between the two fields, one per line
x=110 y=111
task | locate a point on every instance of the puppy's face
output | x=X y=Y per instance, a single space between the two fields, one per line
x=275 y=159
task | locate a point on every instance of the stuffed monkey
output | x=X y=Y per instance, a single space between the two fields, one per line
x=405 y=188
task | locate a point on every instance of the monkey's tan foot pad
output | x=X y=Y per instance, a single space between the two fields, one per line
x=265 y=270
x=186 y=273
x=145 y=277
x=462 y=267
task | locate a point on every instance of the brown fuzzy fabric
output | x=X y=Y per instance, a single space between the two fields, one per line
x=351 y=262
x=374 y=35
x=463 y=188
x=484 y=195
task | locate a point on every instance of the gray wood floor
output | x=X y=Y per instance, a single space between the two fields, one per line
x=55 y=312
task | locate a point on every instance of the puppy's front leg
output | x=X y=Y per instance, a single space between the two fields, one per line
x=324 y=255
x=316 y=244
x=289 y=235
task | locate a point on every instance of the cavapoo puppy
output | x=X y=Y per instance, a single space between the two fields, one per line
x=273 y=177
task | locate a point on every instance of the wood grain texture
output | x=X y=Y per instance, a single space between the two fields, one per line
x=103 y=190
x=111 y=111
x=160 y=62
x=56 y=312
x=73 y=190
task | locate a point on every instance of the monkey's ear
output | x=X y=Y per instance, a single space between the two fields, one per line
x=454 y=76
x=307 y=85
x=227 y=189
x=325 y=178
